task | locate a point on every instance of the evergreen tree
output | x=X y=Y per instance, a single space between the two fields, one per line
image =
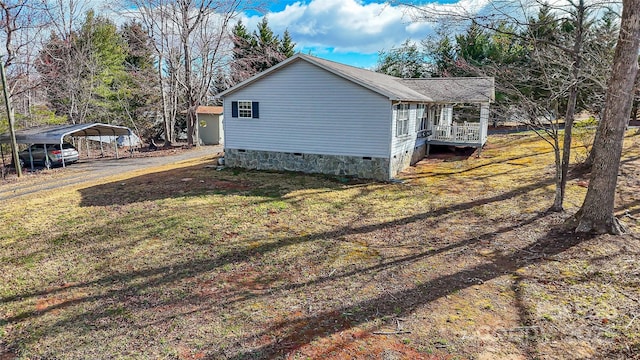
x=474 y=46
x=220 y=83
x=244 y=45
x=140 y=96
x=104 y=52
x=287 y=45
x=139 y=51
x=243 y=41
x=406 y=61
x=268 y=47
x=83 y=75
x=443 y=55
x=258 y=51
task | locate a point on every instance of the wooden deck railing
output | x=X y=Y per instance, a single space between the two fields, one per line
x=456 y=133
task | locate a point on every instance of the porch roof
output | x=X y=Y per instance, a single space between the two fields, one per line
x=453 y=90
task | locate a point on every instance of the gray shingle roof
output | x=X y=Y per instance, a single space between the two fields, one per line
x=396 y=89
x=381 y=83
x=461 y=89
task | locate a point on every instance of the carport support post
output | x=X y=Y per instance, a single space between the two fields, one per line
x=12 y=133
x=62 y=154
x=30 y=158
x=116 y=143
x=47 y=162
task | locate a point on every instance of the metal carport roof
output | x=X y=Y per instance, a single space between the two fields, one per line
x=55 y=134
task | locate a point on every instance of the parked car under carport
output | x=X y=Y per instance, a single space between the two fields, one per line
x=54 y=136
x=35 y=154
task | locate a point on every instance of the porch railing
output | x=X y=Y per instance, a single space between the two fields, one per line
x=458 y=133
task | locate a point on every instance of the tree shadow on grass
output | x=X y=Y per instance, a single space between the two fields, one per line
x=301 y=331
x=131 y=282
x=203 y=180
x=493 y=162
x=233 y=255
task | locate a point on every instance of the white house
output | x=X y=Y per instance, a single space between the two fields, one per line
x=314 y=115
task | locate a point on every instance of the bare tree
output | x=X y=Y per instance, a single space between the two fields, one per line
x=21 y=26
x=596 y=214
x=58 y=59
x=157 y=24
x=190 y=42
x=566 y=46
x=65 y=16
x=190 y=19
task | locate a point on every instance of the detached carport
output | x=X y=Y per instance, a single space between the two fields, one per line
x=48 y=135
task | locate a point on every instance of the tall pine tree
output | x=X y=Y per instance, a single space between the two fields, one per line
x=82 y=74
x=141 y=99
x=287 y=46
x=257 y=51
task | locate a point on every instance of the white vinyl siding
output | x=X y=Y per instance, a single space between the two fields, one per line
x=403 y=147
x=306 y=109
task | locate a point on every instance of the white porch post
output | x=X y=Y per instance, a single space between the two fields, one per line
x=484 y=122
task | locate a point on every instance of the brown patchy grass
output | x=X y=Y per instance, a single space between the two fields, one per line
x=187 y=262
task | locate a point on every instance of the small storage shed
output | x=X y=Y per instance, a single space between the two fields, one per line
x=210 y=124
x=313 y=115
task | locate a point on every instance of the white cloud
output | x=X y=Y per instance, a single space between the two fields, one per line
x=345 y=25
x=352 y=25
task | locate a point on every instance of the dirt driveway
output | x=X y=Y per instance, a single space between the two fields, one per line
x=93 y=169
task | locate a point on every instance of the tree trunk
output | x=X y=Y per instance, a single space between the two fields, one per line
x=634 y=106
x=557 y=202
x=168 y=129
x=573 y=97
x=566 y=144
x=187 y=28
x=596 y=214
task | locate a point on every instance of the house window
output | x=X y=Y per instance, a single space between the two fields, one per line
x=402 y=119
x=446 y=115
x=422 y=119
x=245 y=109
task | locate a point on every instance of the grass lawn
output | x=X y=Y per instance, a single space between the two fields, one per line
x=188 y=262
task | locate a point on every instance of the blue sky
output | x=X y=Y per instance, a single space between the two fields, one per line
x=349 y=31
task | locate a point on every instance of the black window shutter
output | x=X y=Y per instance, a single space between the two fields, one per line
x=234 y=109
x=255 y=110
